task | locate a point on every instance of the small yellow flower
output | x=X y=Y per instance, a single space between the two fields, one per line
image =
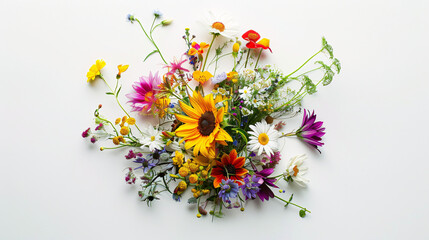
x=124 y=130
x=206 y=191
x=192 y=51
x=178 y=159
x=232 y=75
x=193 y=167
x=193 y=178
x=131 y=121
x=115 y=140
x=236 y=47
x=182 y=186
x=124 y=119
x=183 y=171
x=264 y=42
x=117 y=121
x=121 y=139
x=122 y=68
x=100 y=64
x=204 y=173
x=202 y=77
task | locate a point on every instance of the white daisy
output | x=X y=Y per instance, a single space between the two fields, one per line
x=245 y=93
x=296 y=170
x=263 y=138
x=221 y=24
x=152 y=139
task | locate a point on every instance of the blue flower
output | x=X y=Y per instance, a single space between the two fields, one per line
x=250 y=186
x=130 y=18
x=157 y=13
x=229 y=189
x=146 y=164
x=219 y=78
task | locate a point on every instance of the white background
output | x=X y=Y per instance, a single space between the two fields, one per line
x=370 y=182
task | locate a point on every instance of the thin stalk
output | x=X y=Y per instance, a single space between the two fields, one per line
x=152 y=41
x=296 y=205
x=208 y=51
x=247 y=58
x=305 y=63
x=259 y=55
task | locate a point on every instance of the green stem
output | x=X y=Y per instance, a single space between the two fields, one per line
x=208 y=51
x=247 y=58
x=259 y=55
x=117 y=100
x=292 y=203
x=152 y=41
x=305 y=63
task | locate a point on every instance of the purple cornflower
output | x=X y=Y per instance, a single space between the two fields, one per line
x=265 y=192
x=146 y=164
x=86 y=133
x=229 y=189
x=311 y=131
x=130 y=155
x=250 y=186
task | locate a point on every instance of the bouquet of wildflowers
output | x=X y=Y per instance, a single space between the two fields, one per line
x=217 y=138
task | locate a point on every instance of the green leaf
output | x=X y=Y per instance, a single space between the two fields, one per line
x=302 y=212
x=109 y=93
x=211 y=199
x=309 y=85
x=117 y=93
x=328 y=48
x=218 y=214
x=337 y=65
x=192 y=200
x=290 y=199
x=329 y=74
x=242 y=133
x=154 y=51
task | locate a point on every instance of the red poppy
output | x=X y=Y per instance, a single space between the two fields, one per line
x=229 y=167
x=251 y=35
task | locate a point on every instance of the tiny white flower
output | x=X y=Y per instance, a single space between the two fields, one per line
x=248 y=74
x=263 y=138
x=152 y=139
x=296 y=170
x=245 y=93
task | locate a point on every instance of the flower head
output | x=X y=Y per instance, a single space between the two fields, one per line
x=220 y=25
x=219 y=78
x=152 y=139
x=176 y=66
x=263 y=138
x=296 y=170
x=311 y=131
x=265 y=192
x=229 y=167
x=201 y=128
x=95 y=69
x=121 y=69
x=229 y=189
x=143 y=97
x=251 y=186
x=147 y=164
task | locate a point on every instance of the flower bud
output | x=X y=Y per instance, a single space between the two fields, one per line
x=166 y=22
x=235 y=47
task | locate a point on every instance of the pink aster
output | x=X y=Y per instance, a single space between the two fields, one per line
x=145 y=89
x=176 y=66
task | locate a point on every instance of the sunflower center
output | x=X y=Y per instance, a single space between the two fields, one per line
x=263 y=138
x=253 y=36
x=295 y=171
x=229 y=169
x=219 y=26
x=206 y=123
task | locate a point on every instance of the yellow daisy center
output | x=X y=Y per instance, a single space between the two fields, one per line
x=152 y=138
x=263 y=139
x=148 y=96
x=219 y=26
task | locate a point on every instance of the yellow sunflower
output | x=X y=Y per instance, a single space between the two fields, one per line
x=201 y=128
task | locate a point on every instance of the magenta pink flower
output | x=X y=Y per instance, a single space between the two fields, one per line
x=176 y=66
x=145 y=89
x=311 y=131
